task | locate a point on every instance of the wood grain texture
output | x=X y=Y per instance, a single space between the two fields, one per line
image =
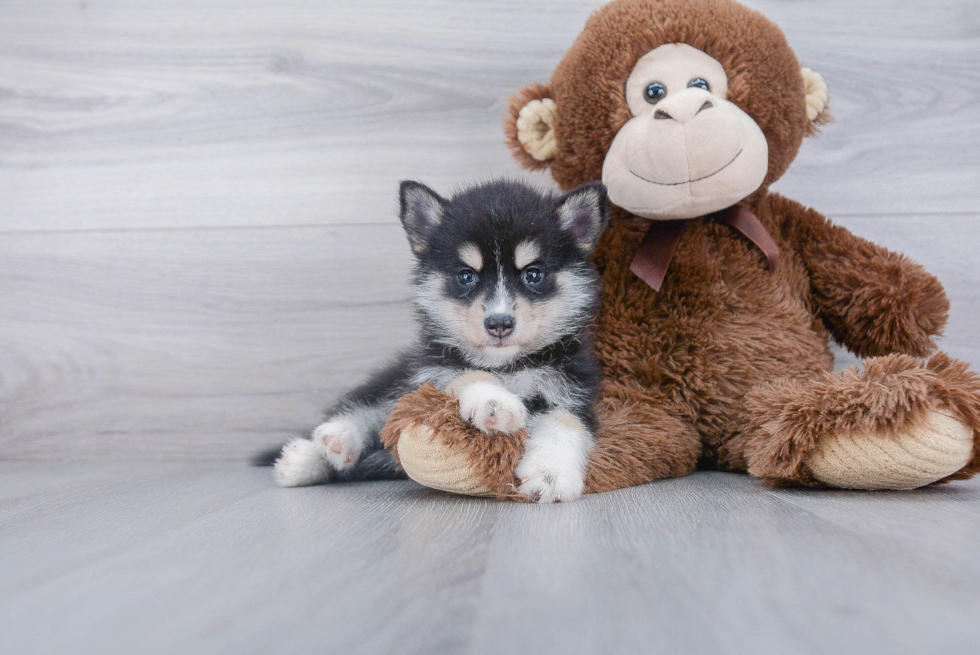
x=213 y=343
x=197 y=198
x=194 y=343
x=185 y=114
x=212 y=558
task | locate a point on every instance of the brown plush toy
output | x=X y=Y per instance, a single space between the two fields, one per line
x=720 y=298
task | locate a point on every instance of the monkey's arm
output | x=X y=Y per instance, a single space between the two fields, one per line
x=872 y=300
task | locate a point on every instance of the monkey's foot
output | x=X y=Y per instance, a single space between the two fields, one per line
x=913 y=456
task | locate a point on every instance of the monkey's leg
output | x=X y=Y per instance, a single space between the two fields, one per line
x=639 y=440
x=898 y=424
x=438 y=448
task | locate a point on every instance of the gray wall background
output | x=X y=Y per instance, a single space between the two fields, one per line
x=199 y=245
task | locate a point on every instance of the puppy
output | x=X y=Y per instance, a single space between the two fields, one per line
x=504 y=296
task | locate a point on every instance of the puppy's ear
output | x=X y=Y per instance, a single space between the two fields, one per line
x=582 y=212
x=422 y=210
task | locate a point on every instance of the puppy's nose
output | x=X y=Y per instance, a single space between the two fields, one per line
x=499 y=325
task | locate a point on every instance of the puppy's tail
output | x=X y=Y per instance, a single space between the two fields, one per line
x=266 y=457
x=379 y=465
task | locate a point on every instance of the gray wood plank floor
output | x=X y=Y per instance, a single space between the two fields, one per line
x=170 y=558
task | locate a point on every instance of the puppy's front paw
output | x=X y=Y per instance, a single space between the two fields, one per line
x=491 y=408
x=302 y=462
x=341 y=440
x=549 y=483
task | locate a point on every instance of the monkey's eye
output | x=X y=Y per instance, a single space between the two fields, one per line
x=532 y=276
x=699 y=83
x=467 y=277
x=654 y=92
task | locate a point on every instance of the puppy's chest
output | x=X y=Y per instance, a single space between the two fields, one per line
x=539 y=387
x=546 y=383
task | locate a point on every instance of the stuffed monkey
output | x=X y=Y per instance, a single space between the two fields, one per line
x=720 y=298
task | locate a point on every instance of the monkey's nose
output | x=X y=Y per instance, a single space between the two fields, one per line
x=682 y=107
x=499 y=325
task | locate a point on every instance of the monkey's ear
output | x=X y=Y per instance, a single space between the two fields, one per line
x=529 y=126
x=422 y=210
x=582 y=213
x=817 y=99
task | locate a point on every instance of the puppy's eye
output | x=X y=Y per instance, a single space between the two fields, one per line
x=699 y=83
x=466 y=277
x=654 y=92
x=532 y=276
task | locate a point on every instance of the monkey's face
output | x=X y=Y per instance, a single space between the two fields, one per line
x=686 y=151
x=682 y=108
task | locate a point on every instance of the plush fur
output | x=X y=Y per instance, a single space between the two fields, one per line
x=729 y=364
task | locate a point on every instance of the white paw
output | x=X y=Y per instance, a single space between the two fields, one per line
x=302 y=462
x=342 y=440
x=554 y=483
x=556 y=455
x=491 y=408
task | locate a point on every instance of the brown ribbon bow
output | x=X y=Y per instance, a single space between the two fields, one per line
x=653 y=257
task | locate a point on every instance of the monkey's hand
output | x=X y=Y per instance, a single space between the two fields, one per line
x=873 y=301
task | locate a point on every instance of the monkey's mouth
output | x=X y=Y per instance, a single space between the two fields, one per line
x=687 y=181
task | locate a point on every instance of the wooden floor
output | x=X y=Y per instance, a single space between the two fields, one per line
x=199 y=250
x=183 y=557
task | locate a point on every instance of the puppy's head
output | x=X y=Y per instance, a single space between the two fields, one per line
x=503 y=269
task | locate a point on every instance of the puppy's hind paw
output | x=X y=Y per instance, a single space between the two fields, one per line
x=491 y=408
x=301 y=463
x=341 y=441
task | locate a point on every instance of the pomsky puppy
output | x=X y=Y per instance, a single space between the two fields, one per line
x=504 y=296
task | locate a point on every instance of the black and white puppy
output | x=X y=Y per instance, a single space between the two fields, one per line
x=504 y=295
